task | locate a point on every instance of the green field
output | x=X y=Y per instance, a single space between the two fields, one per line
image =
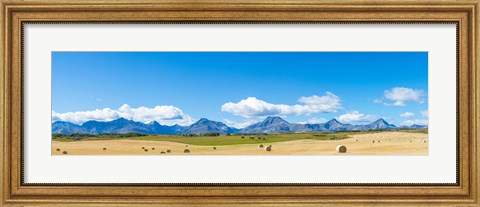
x=226 y=139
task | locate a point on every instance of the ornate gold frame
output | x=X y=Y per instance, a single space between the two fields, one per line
x=465 y=13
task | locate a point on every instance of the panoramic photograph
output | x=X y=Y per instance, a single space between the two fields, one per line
x=239 y=103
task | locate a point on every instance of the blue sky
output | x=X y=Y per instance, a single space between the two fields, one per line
x=239 y=88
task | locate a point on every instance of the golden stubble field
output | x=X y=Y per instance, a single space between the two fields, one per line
x=383 y=143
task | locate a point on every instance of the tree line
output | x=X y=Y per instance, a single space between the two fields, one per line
x=77 y=136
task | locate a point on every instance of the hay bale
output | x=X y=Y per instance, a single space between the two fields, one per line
x=341 y=149
x=243 y=137
x=186 y=145
x=214 y=148
x=143 y=147
x=268 y=148
x=146 y=150
x=104 y=148
x=58 y=150
x=356 y=140
x=264 y=138
x=153 y=148
x=168 y=151
x=186 y=151
x=65 y=152
x=373 y=141
x=260 y=146
x=162 y=152
x=378 y=141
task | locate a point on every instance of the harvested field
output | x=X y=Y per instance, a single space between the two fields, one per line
x=386 y=143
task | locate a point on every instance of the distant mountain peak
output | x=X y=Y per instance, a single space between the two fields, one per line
x=206 y=121
x=121 y=119
x=381 y=120
x=380 y=124
x=203 y=126
x=201 y=120
x=269 y=124
x=62 y=122
x=274 y=119
x=414 y=126
x=154 y=123
x=334 y=120
x=335 y=125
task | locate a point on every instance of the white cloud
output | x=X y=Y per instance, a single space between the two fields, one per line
x=407 y=115
x=253 y=107
x=166 y=115
x=239 y=125
x=378 y=101
x=79 y=117
x=424 y=113
x=416 y=121
x=314 y=121
x=97 y=99
x=356 y=116
x=401 y=95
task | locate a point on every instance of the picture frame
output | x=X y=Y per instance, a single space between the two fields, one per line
x=14 y=192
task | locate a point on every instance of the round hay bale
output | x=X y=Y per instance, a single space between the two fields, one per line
x=410 y=141
x=104 y=148
x=162 y=152
x=146 y=150
x=243 y=137
x=260 y=146
x=168 y=151
x=378 y=141
x=269 y=148
x=153 y=148
x=373 y=141
x=65 y=152
x=424 y=141
x=341 y=149
x=214 y=148
x=186 y=151
x=143 y=147
x=58 y=150
x=186 y=145
x=356 y=140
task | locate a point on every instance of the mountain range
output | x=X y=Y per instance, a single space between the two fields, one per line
x=202 y=126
